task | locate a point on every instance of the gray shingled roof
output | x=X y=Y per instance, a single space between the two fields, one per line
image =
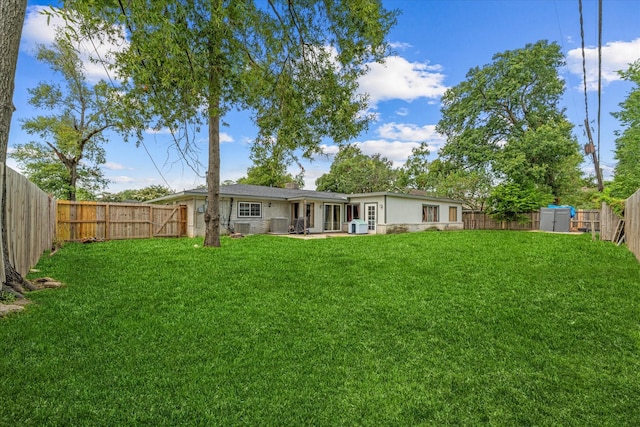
x=272 y=192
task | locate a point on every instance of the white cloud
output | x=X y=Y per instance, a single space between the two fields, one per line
x=225 y=137
x=36 y=30
x=329 y=150
x=114 y=166
x=400 y=45
x=398 y=78
x=402 y=112
x=411 y=132
x=41 y=29
x=396 y=151
x=615 y=56
x=397 y=140
x=122 y=179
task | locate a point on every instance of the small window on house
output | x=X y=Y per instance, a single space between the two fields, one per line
x=453 y=213
x=249 y=209
x=430 y=213
x=353 y=211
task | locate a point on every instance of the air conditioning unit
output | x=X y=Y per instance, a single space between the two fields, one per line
x=242 y=227
x=279 y=225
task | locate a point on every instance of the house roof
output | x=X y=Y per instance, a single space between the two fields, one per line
x=403 y=196
x=260 y=192
x=288 y=194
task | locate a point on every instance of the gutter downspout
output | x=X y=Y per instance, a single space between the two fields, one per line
x=229 y=217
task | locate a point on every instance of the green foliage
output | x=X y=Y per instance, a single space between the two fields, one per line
x=608 y=196
x=503 y=121
x=415 y=172
x=513 y=328
x=355 y=172
x=270 y=161
x=140 y=195
x=627 y=172
x=68 y=157
x=509 y=200
x=294 y=65
x=41 y=165
x=6 y=297
x=473 y=187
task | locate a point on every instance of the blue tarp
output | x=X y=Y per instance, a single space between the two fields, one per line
x=572 y=210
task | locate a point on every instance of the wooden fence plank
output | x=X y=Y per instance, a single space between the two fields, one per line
x=120 y=221
x=30 y=219
x=632 y=223
x=474 y=220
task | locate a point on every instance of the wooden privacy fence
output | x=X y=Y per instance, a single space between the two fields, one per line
x=111 y=221
x=474 y=220
x=31 y=220
x=609 y=222
x=632 y=223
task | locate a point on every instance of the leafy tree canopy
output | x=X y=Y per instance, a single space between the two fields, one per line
x=270 y=166
x=355 y=172
x=509 y=200
x=69 y=152
x=503 y=121
x=473 y=187
x=294 y=64
x=627 y=171
x=140 y=195
x=415 y=172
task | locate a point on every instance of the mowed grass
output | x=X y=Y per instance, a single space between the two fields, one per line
x=456 y=328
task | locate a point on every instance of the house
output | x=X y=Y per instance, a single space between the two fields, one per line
x=253 y=209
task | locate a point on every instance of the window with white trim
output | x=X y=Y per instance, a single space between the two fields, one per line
x=249 y=210
x=430 y=213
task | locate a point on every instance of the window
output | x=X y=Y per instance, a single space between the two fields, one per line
x=353 y=211
x=429 y=213
x=249 y=209
x=453 y=213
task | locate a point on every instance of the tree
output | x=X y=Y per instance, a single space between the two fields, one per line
x=270 y=161
x=473 y=186
x=415 y=172
x=139 y=195
x=509 y=200
x=627 y=171
x=355 y=172
x=12 y=14
x=295 y=65
x=503 y=121
x=72 y=150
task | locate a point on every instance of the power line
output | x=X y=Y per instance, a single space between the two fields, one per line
x=584 y=63
x=589 y=148
x=564 y=49
x=599 y=70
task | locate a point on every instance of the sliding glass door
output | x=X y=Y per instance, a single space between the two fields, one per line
x=332 y=217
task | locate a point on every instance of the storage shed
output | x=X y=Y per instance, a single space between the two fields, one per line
x=555 y=219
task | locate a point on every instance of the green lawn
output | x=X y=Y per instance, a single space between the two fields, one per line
x=435 y=328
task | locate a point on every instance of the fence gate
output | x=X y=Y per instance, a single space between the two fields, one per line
x=111 y=221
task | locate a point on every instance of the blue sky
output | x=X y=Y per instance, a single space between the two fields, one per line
x=436 y=42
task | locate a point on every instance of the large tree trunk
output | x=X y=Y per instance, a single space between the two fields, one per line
x=12 y=14
x=11 y=18
x=73 y=182
x=212 y=216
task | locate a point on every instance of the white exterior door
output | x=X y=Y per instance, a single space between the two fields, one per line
x=371 y=210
